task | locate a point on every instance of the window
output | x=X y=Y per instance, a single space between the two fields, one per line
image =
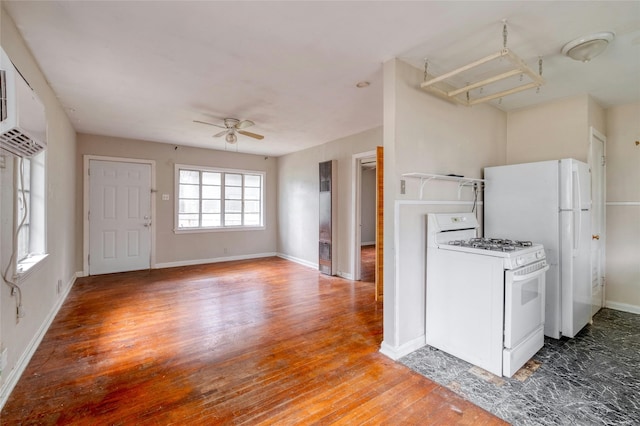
x=30 y=211
x=212 y=199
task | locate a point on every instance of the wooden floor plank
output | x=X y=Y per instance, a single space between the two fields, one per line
x=249 y=342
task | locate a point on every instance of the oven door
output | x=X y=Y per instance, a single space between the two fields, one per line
x=524 y=302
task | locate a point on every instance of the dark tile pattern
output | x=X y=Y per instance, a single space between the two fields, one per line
x=593 y=379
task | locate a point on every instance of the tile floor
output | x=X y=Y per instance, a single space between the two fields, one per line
x=593 y=379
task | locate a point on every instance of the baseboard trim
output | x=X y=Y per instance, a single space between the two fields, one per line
x=16 y=372
x=298 y=260
x=396 y=353
x=368 y=243
x=212 y=260
x=345 y=275
x=633 y=309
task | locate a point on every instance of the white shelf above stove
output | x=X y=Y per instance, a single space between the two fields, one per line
x=426 y=177
x=432 y=176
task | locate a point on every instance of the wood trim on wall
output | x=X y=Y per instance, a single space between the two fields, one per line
x=379 y=222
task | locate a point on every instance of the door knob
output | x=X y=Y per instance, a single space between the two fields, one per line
x=595 y=237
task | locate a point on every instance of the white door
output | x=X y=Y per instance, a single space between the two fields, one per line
x=119 y=216
x=597 y=160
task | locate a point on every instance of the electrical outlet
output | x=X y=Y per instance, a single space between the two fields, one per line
x=59 y=288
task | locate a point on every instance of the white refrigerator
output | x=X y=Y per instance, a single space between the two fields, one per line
x=548 y=202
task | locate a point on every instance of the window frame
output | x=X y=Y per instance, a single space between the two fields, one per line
x=223 y=171
x=36 y=214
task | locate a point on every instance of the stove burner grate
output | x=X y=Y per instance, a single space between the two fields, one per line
x=496 y=244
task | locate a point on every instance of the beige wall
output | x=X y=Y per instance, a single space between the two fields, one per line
x=552 y=131
x=427 y=135
x=298 y=217
x=622 y=289
x=188 y=248
x=40 y=296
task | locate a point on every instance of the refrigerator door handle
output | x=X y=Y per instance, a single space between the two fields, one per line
x=576 y=212
x=577 y=232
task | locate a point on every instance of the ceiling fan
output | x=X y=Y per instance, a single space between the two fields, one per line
x=231 y=127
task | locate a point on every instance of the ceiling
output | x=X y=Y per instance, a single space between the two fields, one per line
x=146 y=70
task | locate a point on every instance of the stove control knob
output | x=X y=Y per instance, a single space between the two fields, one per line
x=520 y=261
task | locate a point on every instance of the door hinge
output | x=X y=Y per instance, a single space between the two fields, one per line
x=88 y=259
x=604 y=161
x=89 y=215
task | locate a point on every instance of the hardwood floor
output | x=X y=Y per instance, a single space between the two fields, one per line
x=368 y=263
x=250 y=342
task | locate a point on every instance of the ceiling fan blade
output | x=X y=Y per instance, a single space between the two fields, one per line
x=210 y=124
x=222 y=133
x=251 y=135
x=244 y=124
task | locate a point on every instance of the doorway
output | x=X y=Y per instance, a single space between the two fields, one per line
x=118 y=215
x=367 y=182
x=368 y=219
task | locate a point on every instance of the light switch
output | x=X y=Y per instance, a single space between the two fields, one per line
x=165 y=197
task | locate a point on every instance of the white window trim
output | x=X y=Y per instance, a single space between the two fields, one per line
x=29 y=265
x=176 y=198
x=24 y=267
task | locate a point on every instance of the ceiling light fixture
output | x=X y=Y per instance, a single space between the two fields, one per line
x=586 y=48
x=362 y=84
x=231 y=138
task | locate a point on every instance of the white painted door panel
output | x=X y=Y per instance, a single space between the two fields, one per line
x=597 y=221
x=119 y=216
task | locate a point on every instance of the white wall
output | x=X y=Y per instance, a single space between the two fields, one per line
x=622 y=288
x=551 y=131
x=41 y=299
x=424 y=134
x=298 y=199
x=368 y=206
x=189 y=248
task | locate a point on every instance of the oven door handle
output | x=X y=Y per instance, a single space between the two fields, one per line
x=531 y=275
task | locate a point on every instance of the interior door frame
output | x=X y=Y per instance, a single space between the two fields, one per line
x=593 y=135
x=85 y=206
x=356 y=208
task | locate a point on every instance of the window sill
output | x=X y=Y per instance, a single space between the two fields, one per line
x=226 y=229
x=26 y=266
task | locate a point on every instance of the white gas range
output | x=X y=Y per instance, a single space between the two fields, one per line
x=485 y=297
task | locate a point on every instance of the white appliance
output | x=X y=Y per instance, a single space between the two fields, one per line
x=23 y=122
x=485 y=297
x=549 y=202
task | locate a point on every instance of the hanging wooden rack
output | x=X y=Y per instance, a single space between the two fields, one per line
x=519 y=67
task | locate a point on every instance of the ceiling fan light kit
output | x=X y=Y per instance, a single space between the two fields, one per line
x=586 y=48
x=231 y=138
x=440 y=87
